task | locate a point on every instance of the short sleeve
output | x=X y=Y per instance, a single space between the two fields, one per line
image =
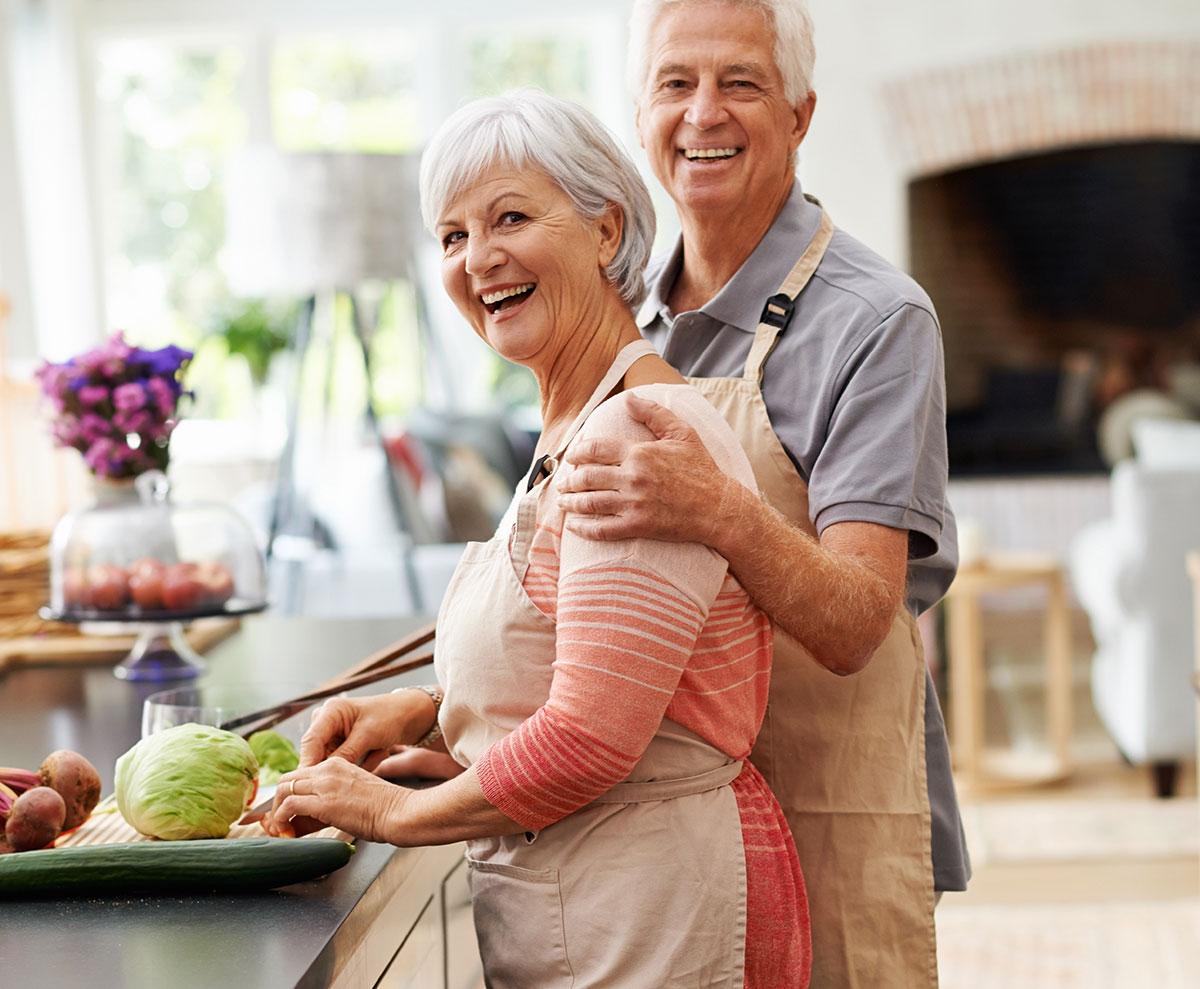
x=884 y=459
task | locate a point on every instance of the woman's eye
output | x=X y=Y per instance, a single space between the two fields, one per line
x=453 y=238
x=511 y=217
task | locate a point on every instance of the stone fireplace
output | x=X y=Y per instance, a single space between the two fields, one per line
x=1054 y=219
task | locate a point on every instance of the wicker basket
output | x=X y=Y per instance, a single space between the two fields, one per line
x=25 y=585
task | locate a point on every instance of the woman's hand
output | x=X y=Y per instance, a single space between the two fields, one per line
x=362 y=730
x=337 y=794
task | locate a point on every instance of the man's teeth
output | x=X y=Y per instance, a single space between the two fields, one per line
x=491 y=298
x=694 y=153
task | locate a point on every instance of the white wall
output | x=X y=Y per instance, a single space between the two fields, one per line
x=847 y=159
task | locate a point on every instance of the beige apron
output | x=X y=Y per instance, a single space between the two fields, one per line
x=845 y=756
x=644 y=887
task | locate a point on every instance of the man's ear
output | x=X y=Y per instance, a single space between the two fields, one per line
x=610 y=225
x=804 y=115
x=637 y=122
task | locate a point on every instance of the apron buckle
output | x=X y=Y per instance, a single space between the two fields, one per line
x=778 y=311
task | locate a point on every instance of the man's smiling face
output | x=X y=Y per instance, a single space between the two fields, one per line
x=712 y=115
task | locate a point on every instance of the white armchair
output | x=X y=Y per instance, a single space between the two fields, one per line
x=1130 y=576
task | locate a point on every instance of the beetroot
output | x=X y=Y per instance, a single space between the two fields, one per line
x=76 y=781
x=36 y=819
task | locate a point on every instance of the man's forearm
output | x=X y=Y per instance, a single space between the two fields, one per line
x=837 y=597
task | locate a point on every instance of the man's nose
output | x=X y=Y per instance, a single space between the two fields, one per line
x=707 y=107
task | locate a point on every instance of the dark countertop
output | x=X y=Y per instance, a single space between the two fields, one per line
x=309 y=934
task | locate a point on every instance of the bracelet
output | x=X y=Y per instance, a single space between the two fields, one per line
x=434 y=733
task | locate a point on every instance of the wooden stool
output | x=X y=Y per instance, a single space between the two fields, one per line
x=968 y=680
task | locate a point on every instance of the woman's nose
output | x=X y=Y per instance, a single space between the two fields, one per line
x=706 y=109
x=483 y=254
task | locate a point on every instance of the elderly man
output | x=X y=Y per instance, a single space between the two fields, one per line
x=827 y=362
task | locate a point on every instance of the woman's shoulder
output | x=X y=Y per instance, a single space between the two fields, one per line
x=614 y=420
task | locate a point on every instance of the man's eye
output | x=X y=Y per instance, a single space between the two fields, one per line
x=453 y=238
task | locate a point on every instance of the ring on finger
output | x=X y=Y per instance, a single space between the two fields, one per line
x=291 y=788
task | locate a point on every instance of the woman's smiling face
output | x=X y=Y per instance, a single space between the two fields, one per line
x=521 y=264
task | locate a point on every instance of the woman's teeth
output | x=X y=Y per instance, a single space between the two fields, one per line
x=494 y=300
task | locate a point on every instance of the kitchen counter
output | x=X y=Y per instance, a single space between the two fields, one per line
x=346 y=929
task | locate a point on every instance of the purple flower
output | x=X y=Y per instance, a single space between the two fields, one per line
x=163 y=395
x=93 y=427
x=66 y=430
x=165 y=363
x=97 y=456
x=110 y=394
x=93 y=394
x=53 y=379
x=129 y=396
x=132 y=422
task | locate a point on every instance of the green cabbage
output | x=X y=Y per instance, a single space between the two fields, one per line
x=276 y=755
x=190 y=781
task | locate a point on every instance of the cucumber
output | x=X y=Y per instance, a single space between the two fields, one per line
x=202 y=865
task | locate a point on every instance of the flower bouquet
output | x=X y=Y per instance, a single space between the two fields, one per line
x=117 y=405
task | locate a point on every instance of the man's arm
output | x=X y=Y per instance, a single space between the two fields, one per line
x=836 y=596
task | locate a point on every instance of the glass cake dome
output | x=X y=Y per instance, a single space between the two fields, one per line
x=135 y=556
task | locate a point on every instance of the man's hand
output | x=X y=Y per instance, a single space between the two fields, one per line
x=668 y=488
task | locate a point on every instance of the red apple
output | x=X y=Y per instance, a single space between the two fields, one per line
x=107 y=587
x=181 y=591
x=187 y=586
x=216 y=580
x=146 y=583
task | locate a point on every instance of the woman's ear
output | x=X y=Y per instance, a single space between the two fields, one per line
x=610 y=226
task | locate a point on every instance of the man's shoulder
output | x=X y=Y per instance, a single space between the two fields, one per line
x=861 y=276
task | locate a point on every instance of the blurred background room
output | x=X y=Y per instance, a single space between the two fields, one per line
x=238 y=179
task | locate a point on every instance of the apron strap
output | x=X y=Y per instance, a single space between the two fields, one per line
x=629 y=355
x=545 y=466
x=777 y=313
x=641 y=793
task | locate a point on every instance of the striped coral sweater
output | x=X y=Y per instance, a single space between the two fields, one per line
x=646 y=631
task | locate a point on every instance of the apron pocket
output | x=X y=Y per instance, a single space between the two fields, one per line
x=519 y=923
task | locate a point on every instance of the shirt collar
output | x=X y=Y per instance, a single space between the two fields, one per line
x=740 y=301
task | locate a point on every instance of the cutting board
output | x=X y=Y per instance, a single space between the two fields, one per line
x=106 y=826
x=50 y=650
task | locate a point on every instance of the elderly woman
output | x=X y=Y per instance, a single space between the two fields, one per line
x=604 y=695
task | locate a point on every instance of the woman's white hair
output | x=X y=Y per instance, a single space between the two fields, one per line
x=531 y=129
x=794 y=51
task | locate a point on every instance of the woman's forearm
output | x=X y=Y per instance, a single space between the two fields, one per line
x=455 y=810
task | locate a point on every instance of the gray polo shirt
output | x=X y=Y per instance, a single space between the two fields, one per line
x=856 y=393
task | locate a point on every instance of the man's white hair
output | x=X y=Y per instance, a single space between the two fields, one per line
x=789 y=19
